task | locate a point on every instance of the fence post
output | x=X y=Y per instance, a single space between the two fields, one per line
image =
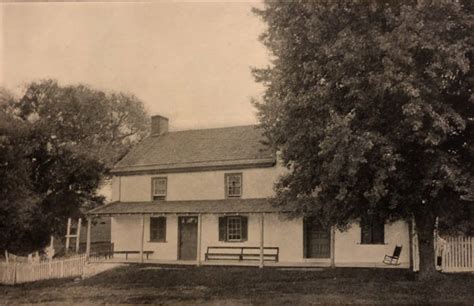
x=88 y=240
x=14 y=273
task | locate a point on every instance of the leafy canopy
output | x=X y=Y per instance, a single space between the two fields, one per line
x=371 y=104
x=56 y=145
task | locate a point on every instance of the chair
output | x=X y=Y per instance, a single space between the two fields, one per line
x=393 y=259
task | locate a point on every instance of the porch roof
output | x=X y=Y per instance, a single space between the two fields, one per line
x=186 y=207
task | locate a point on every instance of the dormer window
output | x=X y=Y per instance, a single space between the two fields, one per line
x=158 y=186
x=233 y=185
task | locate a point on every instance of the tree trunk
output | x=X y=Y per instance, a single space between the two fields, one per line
x=425 y=224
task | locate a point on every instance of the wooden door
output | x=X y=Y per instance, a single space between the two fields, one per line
x=187 y=240
x=317 y=239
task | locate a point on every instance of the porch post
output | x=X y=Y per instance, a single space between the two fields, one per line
x=261 y=239
x=142 y=237
x=333 y=246
x=78 y=234
x=88 y=241
x=68 y=232
x=199 y=240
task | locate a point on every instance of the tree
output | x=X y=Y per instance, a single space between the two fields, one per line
x=56 y=145
x=102 y=125
x=371 y=105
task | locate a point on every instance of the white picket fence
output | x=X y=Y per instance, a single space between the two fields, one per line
x=16 y=273
x=457 y=254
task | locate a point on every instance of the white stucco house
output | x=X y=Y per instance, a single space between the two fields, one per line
x=201 y=196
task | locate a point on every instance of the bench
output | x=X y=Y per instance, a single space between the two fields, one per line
x=110 y=254
x=147 y=253
x=241 y=253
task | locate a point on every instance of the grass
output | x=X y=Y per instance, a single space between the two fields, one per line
x=240 y=285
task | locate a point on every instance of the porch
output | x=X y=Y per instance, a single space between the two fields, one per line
x=219 y=232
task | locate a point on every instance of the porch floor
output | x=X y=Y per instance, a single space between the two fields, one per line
x=303 y=264
x=214 y=262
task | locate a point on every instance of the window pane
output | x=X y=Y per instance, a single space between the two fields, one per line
x=159 y=186
x=234 y=185
x=372 y=230
x=234 y=228
x=158 y=229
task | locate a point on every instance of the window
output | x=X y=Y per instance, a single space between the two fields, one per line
x=233 y=228
x=233 y=184
x=158 y=187
x=158 y=229
x=372 y=230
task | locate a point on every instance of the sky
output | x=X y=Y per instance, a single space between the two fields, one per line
x=188 y=61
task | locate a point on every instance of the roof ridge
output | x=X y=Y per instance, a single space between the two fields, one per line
x=214 y=128
x=205 y=161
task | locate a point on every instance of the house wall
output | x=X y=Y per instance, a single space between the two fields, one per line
x=126 y=234
x=349 y=251
x=204 y=185
x=279 y=232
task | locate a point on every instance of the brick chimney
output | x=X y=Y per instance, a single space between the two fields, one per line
x=159 y=125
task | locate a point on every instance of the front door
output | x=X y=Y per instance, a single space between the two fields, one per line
x=187 y=242
x=317 y=239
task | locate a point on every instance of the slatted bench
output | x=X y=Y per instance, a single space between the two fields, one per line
x=241 y=253
x=147 y=253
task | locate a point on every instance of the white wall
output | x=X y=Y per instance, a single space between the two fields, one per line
x=126 y=234
x=350 y=252
x=205 y=185
x=279 y=232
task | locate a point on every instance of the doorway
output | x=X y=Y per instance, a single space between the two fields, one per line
x=187 y=238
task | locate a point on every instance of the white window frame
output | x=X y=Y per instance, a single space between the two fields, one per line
x=237 y=231
x=228 y=186
x=154 y=181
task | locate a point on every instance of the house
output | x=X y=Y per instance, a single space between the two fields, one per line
x=202 y=196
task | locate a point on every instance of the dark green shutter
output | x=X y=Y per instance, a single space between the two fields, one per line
x=153 y=229
x=244 y=228
x=378 y=231
x=366 y=231
x=162 y=229
x=222 y=228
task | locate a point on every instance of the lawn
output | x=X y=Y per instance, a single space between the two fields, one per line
x=239 y=285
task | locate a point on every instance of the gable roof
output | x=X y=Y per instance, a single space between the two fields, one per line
x=218 y=147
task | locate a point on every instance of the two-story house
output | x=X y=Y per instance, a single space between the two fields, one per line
x=202 y=195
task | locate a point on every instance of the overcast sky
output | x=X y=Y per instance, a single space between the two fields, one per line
x=187 y=61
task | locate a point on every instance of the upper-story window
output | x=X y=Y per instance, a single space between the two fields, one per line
x=233 y=185
x=158 y=186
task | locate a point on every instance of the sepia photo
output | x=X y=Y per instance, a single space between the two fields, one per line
x=237 y=152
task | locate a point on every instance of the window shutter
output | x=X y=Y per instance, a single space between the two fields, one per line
x=222 y=228
x=244 y=228
x=378 y=231
x=162 y=229
x=366 y=232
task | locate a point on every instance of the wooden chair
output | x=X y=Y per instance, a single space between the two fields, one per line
x=393 y=259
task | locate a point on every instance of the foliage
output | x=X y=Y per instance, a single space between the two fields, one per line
x=371 y=104
x=102 y=125
x=56 y=145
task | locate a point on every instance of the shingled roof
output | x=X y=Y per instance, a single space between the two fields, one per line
x=218 y=147
x=227 y=206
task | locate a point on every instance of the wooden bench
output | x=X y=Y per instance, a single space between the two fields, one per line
x=241 y=253
x=111 y=253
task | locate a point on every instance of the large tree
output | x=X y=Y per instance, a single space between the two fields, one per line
x=371 y=105
x=56 y=146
